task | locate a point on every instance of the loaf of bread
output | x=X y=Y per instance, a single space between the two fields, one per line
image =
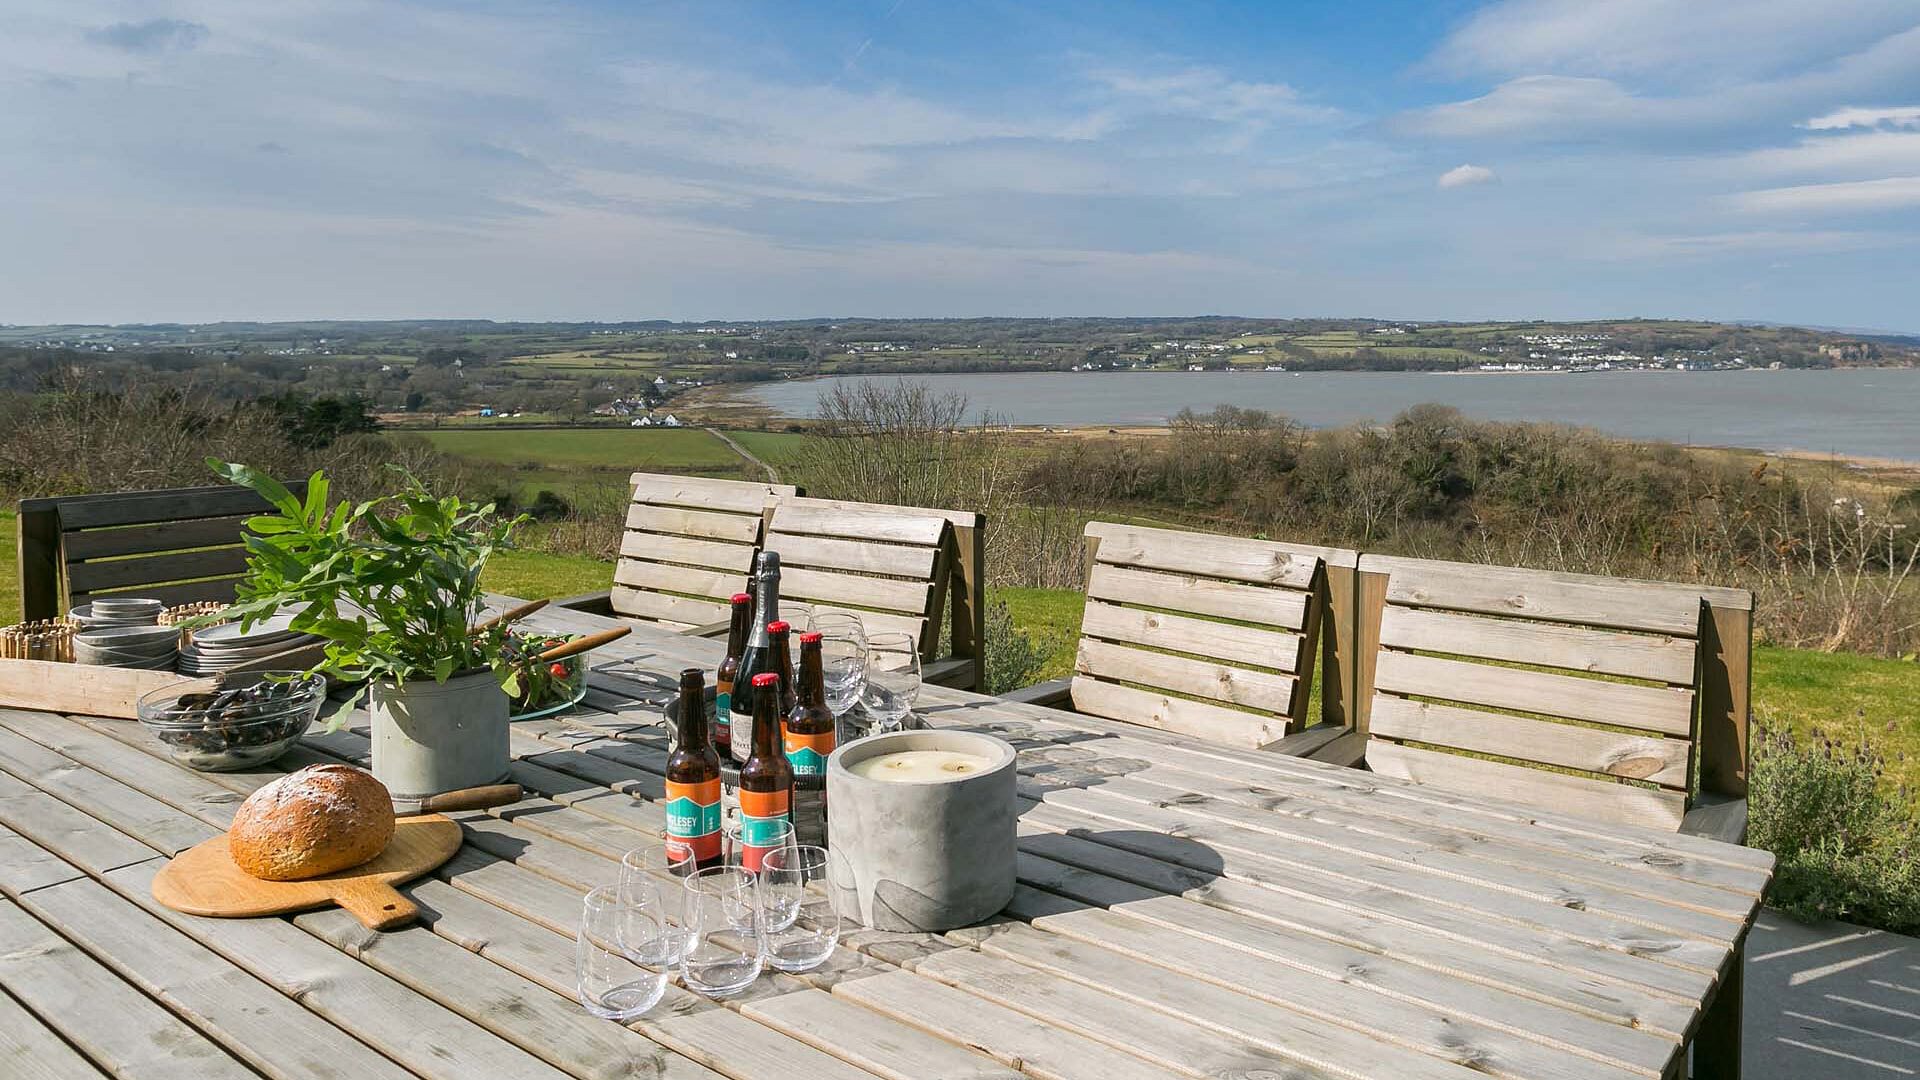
x=312 y=822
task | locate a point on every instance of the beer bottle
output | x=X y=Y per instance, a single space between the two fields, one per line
x=809 y=738
x=693 y=779
x=781 y=634
x=757 y=656
x=742 y=622
x=766 y=780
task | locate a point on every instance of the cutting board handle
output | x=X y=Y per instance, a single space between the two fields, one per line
x=377 y=905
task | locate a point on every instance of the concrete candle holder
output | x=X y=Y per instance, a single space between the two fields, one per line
x=922 y=855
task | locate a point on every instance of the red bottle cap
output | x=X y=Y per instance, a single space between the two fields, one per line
x=742 y=598
x=811 y=637
x=766 y=678
x=779 y=626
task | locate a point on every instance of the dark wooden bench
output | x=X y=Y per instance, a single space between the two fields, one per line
x=177 y=545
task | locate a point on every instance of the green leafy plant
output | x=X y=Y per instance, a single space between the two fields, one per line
x=391 y=584
x=1847 y=840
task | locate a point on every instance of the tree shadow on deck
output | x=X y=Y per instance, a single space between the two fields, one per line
x=1830 y=1000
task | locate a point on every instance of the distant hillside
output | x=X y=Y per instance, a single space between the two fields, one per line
x=570 y=372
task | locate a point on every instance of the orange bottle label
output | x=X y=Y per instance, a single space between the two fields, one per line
x=693 y=820
x=808 y=753
x=759 y=811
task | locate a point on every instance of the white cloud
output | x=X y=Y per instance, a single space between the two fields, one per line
x=1712 y=245
x=1668 y=40
x=1209 y=94
x=1466 y=176
x=1868 y=152
x=1903 y=116
x=1532 y=105
x=1891 y=193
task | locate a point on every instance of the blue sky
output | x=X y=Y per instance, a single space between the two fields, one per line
x=207 y=159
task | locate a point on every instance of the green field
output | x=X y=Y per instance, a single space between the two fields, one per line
x=570 y=461
x=9 y=571
x=665 y=449
x=583 y=360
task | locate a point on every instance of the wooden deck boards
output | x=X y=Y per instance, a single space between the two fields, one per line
x=1184 y=910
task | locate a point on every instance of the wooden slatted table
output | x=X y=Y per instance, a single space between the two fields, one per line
x=1183 y=911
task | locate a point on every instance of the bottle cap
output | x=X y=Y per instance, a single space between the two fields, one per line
x=779 y=626
x=766 y=678
x=811 y=637
x=742 y=598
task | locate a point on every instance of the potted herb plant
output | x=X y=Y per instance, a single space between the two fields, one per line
x=393 y=587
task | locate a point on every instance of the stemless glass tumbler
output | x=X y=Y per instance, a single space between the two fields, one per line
x=658 y=868
x=725 y=949
x=621 y=955
x=794 y=881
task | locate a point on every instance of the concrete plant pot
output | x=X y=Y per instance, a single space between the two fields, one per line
x=431 y=737
x=922 y=856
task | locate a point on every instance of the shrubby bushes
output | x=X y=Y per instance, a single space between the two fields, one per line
x=1847 y=841
x=79 y=438
x=1830 y=562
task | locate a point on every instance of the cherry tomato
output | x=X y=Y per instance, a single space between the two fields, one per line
x=558 y=670
x=553 y=643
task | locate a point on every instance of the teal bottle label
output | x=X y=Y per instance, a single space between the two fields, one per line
x=723 y=710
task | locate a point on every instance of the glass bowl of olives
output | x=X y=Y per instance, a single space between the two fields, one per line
x=231 y=722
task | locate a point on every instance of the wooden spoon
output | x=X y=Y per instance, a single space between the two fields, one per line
x=585 y=644
x=511 y=615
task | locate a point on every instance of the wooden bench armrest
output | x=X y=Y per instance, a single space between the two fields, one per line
x=1056 y=693
x=598 y=603
x=1336 y=744
x=958 y=672
x=1717 y=817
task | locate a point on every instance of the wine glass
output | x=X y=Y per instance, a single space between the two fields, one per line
x=664 y=870
x=794 y=880
x=621 y=955
x=799 y=615
x=725 y=948
x=893 y=680
x=843 y=658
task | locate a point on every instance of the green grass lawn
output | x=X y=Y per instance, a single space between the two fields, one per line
x=1843 y=694
x=626 y=449
x=773 y=447
x=9 y=571
x=532 y=574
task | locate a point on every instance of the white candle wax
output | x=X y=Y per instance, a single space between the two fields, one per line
x=918 y=766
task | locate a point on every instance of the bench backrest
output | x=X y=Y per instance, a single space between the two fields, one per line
x=689 y=545
x=892 y=566
x=178 y=545
x=1564 y=691
x=1203 y=635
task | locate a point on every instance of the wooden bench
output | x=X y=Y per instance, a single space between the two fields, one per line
x=688 y=547
x=178 y=545
x=899 y=568
x=1203 y=635
x=1586 y=695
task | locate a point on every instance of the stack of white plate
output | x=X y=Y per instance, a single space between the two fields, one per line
x=108 y=611
x=152 y=647
x=218 y=648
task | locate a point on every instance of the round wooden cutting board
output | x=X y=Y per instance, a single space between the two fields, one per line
x=204 y=880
